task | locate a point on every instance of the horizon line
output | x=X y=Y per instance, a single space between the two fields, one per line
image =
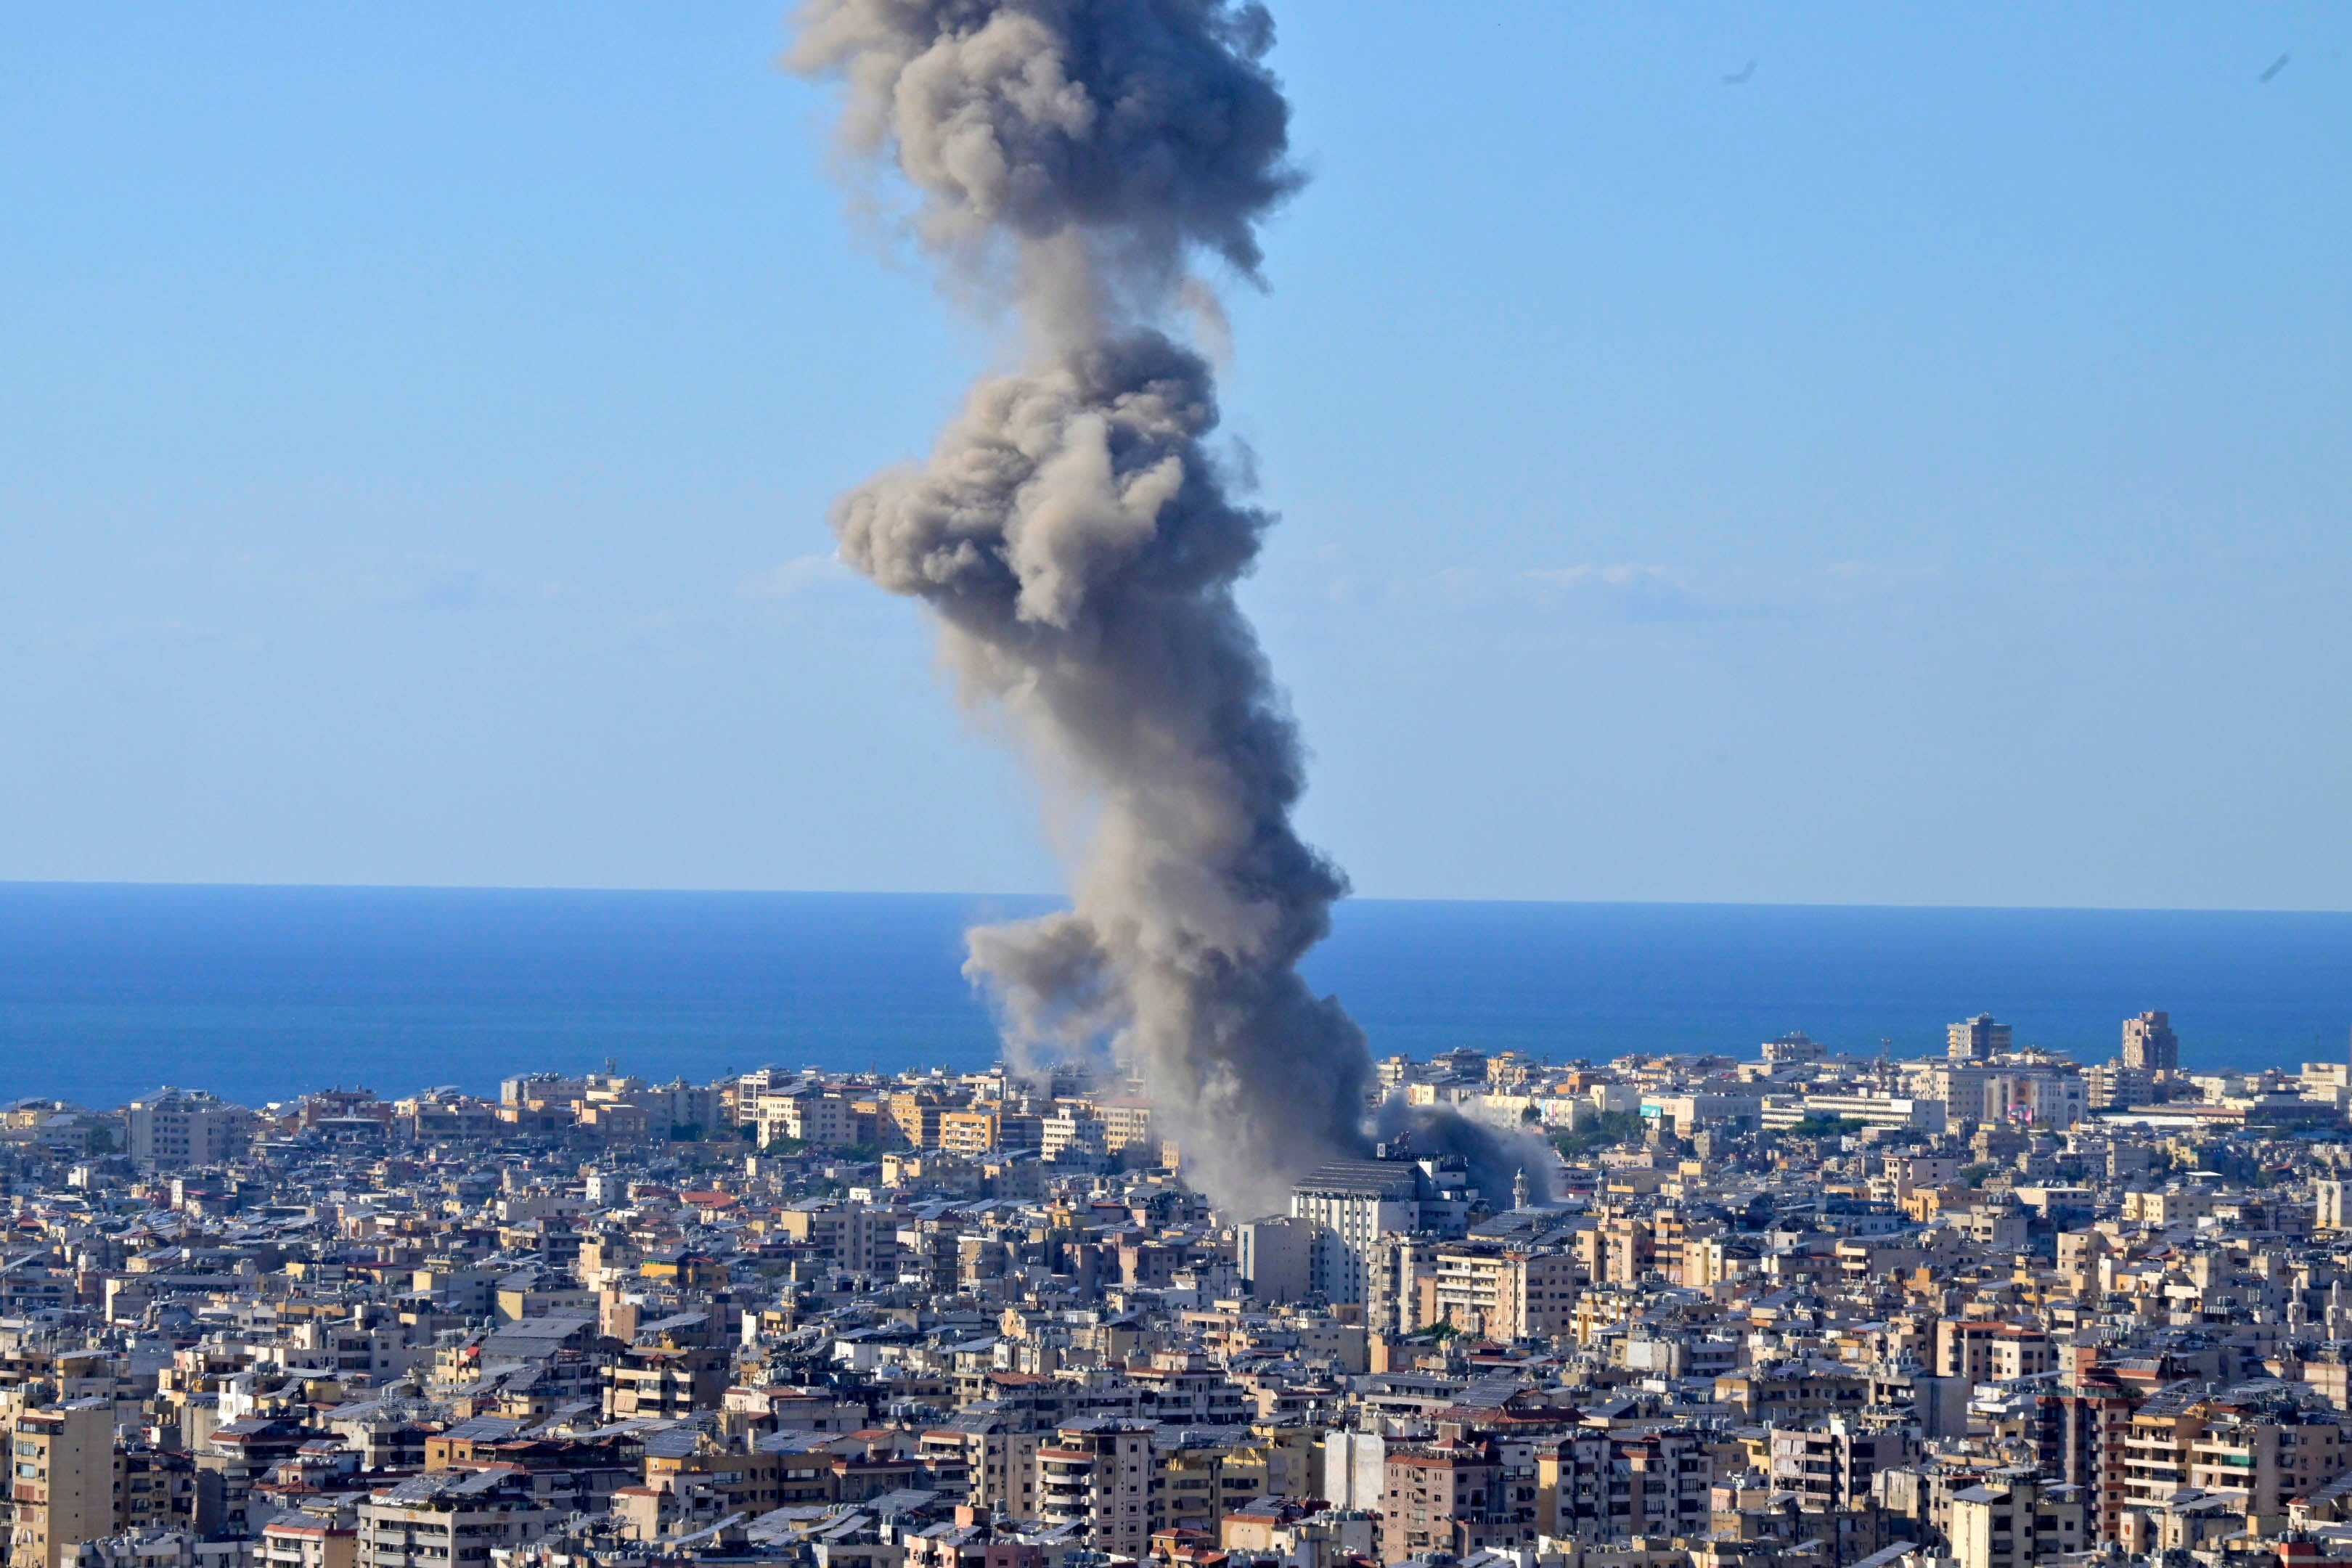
x=25 y=883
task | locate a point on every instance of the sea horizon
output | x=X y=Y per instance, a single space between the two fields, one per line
x=259 y=992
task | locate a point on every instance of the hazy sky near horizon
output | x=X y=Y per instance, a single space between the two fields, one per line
x=1920 y=471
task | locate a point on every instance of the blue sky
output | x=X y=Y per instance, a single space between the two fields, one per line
x=1918 y=473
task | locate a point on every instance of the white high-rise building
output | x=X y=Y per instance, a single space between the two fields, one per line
x=1350 y=1203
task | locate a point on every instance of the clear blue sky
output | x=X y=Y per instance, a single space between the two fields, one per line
x=1919 y=473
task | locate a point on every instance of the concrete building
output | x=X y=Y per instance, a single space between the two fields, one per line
x=444 y=1517
x=1983 y=1350
x=997 y=1454
x=2150 y=1044
x=309 y=1541
x=1612 y=1487
x=1832 y=1464
x=1355 y=1469
x=1977 y=1039
x=1350 y=1203
x=1126 y=1124
x=1097 y=1476
x=1962 y=1089
x=2085 y=1425
x=1792 y=1048
x=1276 y=1257
x=2049 y=1099
x=1781 y=1111
x=61 y=1476
x=180 y=1126
x=1431 y=1494
x=1535 y=1297
x=2016 y=1523
x=2327 y=1204
x=809 y=1116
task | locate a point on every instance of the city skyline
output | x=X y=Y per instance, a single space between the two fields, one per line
x=1659 y=690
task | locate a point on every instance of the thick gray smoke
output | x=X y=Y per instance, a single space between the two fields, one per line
x=1080 y=547
x=1096 y=145
x=1495 y=1158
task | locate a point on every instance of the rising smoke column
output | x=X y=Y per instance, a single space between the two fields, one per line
x=1080 y=548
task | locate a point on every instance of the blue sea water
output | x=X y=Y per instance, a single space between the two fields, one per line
x=108 y=991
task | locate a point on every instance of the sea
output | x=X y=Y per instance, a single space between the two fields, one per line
x=108 y=991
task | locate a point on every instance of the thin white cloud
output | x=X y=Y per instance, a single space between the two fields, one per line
x=793 y=577
x=1623 y=576
x=1625 y=590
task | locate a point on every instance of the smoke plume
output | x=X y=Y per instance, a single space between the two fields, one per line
x=1079 y=545
x=1495 y=1158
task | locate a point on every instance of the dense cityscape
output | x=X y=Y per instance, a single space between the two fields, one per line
x=1984 y=1310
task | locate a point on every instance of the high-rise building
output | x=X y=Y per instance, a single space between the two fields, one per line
x=1977 y=1039
x=2085 y=1425
x=2149 y=1043
x=1350 y=1203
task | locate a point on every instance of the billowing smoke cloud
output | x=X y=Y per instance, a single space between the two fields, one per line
x=1102 y=143
x=1495 y=1158
x=1080 y=546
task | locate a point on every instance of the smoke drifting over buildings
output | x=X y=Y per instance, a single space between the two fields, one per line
x=1080 y=546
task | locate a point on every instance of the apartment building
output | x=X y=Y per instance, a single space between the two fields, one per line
x=444 y=1517
x=738 y=1475
x=1609 y=1487
x=812 y=1117
x=844 y=1232
x=1274 y=1256
x=977 y=1129
x=2016 y=1523
x=2084 y=1426
x=2041 y=1098
x=184 y=1127
x=1624 y=1250
x=1096 y=1475
x=1794 y=1391
x=1198 y=1483
x=916 y=1118
x=1982 y=1351
x=1126 y=1124
x=1071 y=1126
x=664 y=1384
x=1433 y=1497
x=1832 y=1464
x=1535 y=1297
x=996 y=1457
x=2156 y=1447
x=1472 y=1280
x=2272 y=1452
x=153 y=1489
x=312 y=1541
x=61 y=1477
